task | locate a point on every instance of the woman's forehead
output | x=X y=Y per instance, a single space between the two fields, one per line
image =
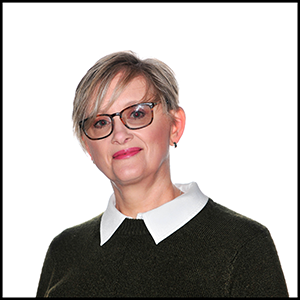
x=119 y=86
x=137 y=88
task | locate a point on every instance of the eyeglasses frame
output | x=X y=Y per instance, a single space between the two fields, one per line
x=150 y=104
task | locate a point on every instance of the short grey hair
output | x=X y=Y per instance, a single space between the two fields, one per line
x=160 y=81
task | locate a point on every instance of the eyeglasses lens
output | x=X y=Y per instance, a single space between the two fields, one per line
x=137 y=116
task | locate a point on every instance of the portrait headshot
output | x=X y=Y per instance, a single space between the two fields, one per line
x=150 y=149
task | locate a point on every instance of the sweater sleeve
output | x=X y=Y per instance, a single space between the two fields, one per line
x=46 y=274
x=256 y=269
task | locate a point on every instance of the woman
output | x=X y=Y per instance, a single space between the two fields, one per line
x=155 y=239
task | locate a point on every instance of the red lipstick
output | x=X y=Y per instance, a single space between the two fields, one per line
x=127 y=153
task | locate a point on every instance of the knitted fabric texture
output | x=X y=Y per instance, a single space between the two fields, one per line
x=218 y=253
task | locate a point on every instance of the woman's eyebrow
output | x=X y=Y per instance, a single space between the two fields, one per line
x=130 y=103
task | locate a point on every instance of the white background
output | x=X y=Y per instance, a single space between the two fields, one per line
x=236 y=65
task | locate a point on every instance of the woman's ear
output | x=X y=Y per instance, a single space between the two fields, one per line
x=178 y=125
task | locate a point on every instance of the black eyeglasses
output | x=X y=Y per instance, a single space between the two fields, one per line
x=134 y=117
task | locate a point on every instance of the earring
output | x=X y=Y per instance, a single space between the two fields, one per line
x=175 y=145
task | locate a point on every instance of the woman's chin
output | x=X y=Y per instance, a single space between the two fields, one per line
x=128 y=176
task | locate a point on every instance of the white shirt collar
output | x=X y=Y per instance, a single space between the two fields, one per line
x=161 y=221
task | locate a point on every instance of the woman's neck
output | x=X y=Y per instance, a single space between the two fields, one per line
x=141 y=197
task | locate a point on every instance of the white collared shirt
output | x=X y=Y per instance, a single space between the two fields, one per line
x=161 y=221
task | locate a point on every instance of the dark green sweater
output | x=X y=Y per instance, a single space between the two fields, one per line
x=218 y=253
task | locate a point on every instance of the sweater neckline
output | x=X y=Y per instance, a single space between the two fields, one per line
x=132 y=227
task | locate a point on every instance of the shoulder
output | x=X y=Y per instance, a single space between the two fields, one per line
x=79 y=236
x=82 y=229
x=225 y=224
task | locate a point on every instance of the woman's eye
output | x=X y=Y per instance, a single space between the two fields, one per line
x=101 y=123
x=138 y=114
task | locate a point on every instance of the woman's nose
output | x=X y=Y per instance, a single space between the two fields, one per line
x=121 y=134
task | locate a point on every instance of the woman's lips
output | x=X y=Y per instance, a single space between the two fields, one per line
x=127 y=153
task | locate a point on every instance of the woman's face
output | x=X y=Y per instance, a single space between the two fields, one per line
x=144 y=152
